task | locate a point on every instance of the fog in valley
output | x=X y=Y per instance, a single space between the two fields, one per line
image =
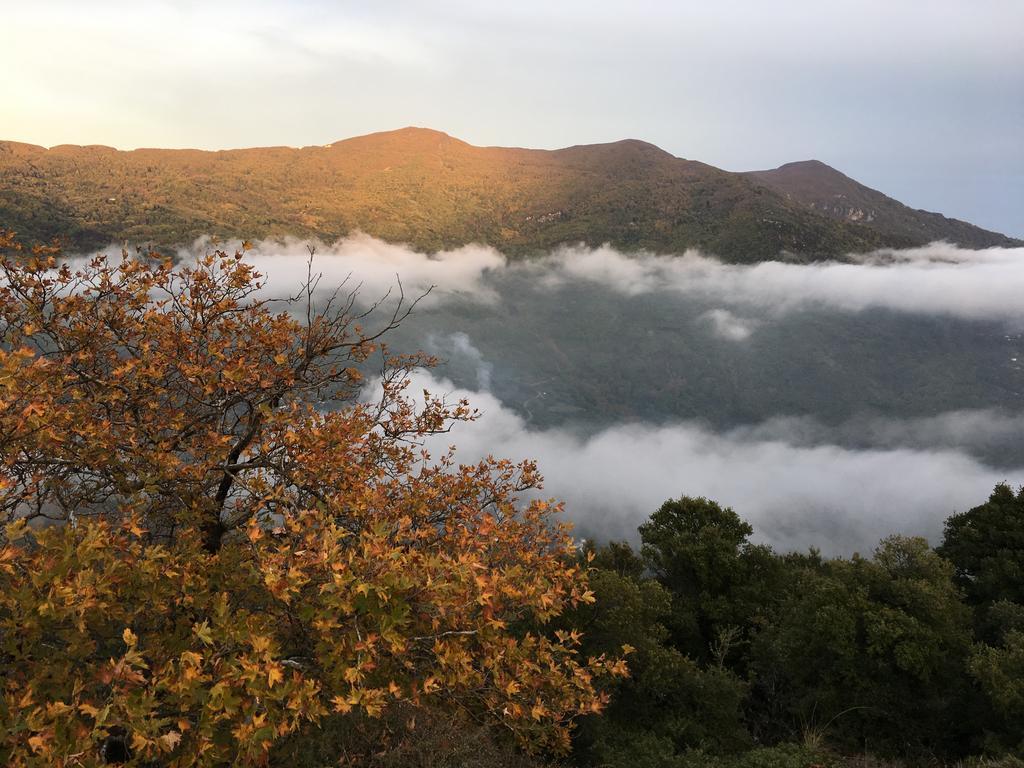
x=830 y=404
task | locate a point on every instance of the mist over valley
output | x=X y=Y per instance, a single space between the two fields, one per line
x=830 y=404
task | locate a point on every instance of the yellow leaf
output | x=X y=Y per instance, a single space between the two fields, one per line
x=274 y=675
x=203 y=633
x=341 y=705
x=170 y=740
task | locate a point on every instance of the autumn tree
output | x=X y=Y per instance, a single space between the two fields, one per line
x=213 y=541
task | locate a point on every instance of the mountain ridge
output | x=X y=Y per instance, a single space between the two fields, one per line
x=434 y=191
x=829 y=191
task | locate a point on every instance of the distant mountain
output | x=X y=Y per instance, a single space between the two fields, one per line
x=825 y=190
x=432 y=191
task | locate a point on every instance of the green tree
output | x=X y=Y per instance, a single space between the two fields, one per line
x=721 y=583
x=873 y=652
x=986 y=546
x=670 y=704
x=1000 y=672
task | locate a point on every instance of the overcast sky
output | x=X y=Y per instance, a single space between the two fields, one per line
x=923 y=99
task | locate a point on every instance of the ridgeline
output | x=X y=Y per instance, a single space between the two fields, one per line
x=434 y=192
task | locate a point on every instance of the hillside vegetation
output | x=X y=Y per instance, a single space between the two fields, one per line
x=434 y=192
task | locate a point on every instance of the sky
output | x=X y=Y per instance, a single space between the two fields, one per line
x=922 y=99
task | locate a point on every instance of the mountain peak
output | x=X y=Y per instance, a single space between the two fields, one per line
x=832 y=193
x=810 y=169
x=411 y=134
x=621 y=146
x=811 y=163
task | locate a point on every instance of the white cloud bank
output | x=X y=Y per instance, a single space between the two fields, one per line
x=374 y=266
x=795 y=491
x=789 y=477
x=939 y=279
x=799 y=483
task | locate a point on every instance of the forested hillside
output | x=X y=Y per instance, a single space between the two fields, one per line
x=432 y=191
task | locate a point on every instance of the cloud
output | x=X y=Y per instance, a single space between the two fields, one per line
x=374 y=266
x=799 y=482
x=456 y=350
x=938 y=280
x=728 y=326
x=796 y=491
x=980 y=431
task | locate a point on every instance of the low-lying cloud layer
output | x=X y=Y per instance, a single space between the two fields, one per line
x=375 y=267
x=976 y=431
x=800 y=483
x=939 y=279
x=796 y=491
